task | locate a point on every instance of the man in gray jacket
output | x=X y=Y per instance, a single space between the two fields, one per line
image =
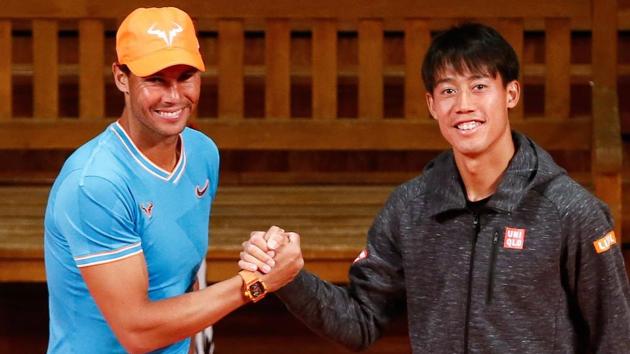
x=493 y=249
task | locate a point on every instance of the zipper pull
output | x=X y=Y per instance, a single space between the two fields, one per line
x=475 y=221
x=493 y=257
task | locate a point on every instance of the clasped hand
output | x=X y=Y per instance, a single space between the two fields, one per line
x=275 y=253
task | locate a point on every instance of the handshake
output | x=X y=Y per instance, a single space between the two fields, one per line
x=274 y=253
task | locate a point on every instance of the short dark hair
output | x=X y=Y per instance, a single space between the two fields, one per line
x=470 y=47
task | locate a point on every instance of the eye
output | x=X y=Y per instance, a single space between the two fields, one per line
x=448 y=91
x=478 y=87
x=154 y=80
x=187 y=75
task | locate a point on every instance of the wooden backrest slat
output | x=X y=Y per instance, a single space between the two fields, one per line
x=557 y=72
x=348 y=9
x=278 y=66
x=370 y=69
x=513 y=31
x=324 y=69
x=230 y=69
x=417 y=40
x=6 y=92
x=607 y=146
x=91 y=80
x=604 y=51
x=45 y=69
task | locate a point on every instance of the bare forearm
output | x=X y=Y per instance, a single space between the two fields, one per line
x=143 y=325
x=155 y=324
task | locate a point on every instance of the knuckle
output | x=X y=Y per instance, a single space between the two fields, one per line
x=275 y=229
x=249 y=248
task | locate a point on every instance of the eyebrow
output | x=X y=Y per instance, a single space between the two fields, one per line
x=469 y=78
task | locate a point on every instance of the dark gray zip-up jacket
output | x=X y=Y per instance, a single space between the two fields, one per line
x=522 y=276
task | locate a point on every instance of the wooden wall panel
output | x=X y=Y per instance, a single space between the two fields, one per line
x=6 y=90
x=370 y=69
x=324 y=69
x=45 y=69
x=417 y=40
x=278 y=67
x=557 y=71
x=230 y=69
x=513 y=31
x=91 y=62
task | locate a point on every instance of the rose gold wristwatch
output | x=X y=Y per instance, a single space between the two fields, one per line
x=253 y=288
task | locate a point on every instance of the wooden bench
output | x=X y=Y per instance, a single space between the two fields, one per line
x=333 y=221
x=294 y=50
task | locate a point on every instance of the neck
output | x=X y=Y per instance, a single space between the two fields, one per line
x=162 y=151
x=163 y=155
x=481 y=174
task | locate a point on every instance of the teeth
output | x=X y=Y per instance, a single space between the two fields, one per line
x=468 y=125
x=171 y=115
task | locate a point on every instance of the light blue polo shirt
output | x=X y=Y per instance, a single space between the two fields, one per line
x=110 y=202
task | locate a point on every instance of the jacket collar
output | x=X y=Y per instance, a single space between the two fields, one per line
x=446 y=191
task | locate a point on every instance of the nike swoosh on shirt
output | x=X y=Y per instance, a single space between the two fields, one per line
x=201 y=191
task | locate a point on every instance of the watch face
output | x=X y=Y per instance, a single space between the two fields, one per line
x=256 y=289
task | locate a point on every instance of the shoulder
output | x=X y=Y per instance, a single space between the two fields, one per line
x=96 y=158
x=411 y=188
x=569 y=196
x=575 y=205
x=432 y=176
x=94 y=173
x=201 y=147
x=409 y=193
x=197 y=139
x=580 y=212
x=76 y=190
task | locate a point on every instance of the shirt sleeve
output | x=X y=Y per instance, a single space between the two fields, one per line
x=597 y=276
x=356 y=315
x=96 y=218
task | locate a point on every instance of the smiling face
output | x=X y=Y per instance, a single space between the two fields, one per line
x=157 y=107
x=472 y=111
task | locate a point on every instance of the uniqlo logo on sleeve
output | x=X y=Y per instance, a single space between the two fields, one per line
x=604 y=243
x=514 y=238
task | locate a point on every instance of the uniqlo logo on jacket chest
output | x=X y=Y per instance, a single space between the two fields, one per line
x=514 y=238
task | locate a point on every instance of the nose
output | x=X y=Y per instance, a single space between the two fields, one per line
x=172 y=94
x=464 y=102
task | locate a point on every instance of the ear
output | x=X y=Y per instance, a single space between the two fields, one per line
x=513 y=90
x=429 y=98
x=120 y=78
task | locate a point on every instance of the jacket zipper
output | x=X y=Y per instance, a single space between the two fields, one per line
x=477 y=228
x=493 y=257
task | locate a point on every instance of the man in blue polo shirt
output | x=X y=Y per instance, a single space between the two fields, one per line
x=126 y=225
